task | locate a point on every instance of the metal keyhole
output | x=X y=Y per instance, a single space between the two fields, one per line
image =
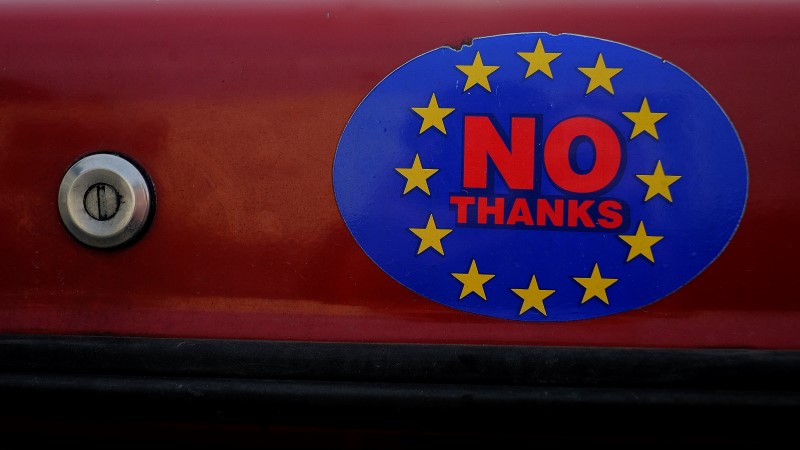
x=105 y=200
x=101 y=201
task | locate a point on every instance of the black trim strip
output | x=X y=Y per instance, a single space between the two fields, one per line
x=582 y=393
x=411 y=363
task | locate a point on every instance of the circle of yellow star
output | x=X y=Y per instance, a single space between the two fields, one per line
x=658 y=183
x=595 y=285
x=533 y=297
x=477 y=73
x=600 y=75
x=644 y=120
x=416 y=176
x=473 y=281
x=430 y=236
x=539 y=60
x=432 y=115
x=641 y=243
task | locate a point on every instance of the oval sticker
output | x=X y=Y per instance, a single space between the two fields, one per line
x=540 y=177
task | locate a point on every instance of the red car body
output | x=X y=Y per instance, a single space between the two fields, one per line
x=249 y=273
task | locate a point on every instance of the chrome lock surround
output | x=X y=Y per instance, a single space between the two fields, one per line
x=105 y=201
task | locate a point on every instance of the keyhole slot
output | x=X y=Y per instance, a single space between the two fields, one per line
x=101 y=201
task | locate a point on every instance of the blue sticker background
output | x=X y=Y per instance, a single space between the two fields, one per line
x=696 y=141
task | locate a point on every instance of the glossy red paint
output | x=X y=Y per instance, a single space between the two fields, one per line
x=236 y=109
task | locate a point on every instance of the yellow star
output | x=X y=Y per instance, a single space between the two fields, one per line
x=539 y=60
x=641 y=243
x=644 y=120
x=473 y=281
x=600 y=75
x=658 y=183
x=432 y=115
x=533 y=297
x=430 y=236
x=477 y=73
x=416 y=176
x=595 y=285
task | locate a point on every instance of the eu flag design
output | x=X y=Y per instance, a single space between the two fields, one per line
x=539 y=177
